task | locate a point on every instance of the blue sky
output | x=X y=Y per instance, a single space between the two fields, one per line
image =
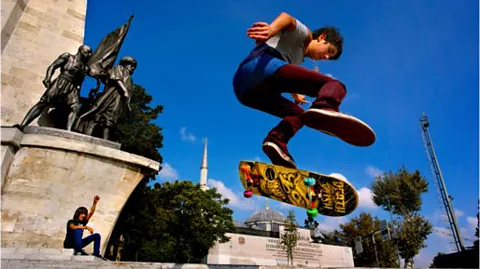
x=400 y=59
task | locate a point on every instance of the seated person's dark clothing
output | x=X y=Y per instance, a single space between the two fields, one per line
x=69 y=237
x=73 y=238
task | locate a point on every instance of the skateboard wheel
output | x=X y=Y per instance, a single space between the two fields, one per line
x=247 y=194
x=245 y=168
x=309 y=181
x=312 y=212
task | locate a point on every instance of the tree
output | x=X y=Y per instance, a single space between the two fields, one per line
x=411 y=237
x=135 y=129
x=400 y=194
x=290 y=236
x=374 y=248
x=178 y=222
x=138 y=134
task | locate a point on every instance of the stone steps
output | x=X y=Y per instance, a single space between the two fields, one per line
x=57 y=264
x=44 y=254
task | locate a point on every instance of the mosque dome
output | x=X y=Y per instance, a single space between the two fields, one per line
x=267 y=215
x=266 y=220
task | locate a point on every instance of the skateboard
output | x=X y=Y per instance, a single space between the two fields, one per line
x=318 y=193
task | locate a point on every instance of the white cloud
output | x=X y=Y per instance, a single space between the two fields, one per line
x=443 y=233
x=168 y=173
x=332 y=223
x=287 y=206
x=365 y=197
x=186 y=136
x=439 y=215
x=472 y=221
x=258 y=159
x=373 y=172
x=237 y=200
x=458 y=213
x=339 y=176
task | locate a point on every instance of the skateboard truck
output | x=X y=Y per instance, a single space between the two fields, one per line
x=246 y=170
x=312 y=211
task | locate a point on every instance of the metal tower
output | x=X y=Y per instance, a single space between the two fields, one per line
x=440 y=183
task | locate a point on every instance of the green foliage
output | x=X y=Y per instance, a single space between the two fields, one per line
x=367 y=227
x=400 y=192
x=176 y=222
x=290 y=236
x=135 y=129
x=172 y=222
x=411 y=236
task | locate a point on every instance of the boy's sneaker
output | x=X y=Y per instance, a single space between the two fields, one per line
x=334 y=123
x=277 y=152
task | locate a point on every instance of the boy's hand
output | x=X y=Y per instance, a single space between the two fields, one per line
x=299 y=99
x=96 y=198
x=89 y=229
x=259 y=31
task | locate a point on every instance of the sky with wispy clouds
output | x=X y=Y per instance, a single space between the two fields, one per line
x=401 y=59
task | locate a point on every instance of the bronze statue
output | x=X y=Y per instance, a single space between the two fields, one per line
x=64 y=91
x=107 y=107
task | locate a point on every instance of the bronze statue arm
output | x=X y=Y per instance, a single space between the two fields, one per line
x=124 y=88
x=125 y=93
x=59 y=62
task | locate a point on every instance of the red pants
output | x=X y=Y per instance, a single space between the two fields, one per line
x=290 y=78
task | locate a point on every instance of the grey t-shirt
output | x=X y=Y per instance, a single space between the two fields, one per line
x=290 y=43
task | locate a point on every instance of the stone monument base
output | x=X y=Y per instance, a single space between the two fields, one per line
x=48 y=173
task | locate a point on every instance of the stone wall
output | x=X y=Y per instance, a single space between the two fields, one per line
x=243 y=249
x=34 y=34
x=52 y=173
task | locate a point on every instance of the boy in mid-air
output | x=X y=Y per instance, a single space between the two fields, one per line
x=272 y=68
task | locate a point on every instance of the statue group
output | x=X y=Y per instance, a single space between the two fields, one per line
x=99 y=114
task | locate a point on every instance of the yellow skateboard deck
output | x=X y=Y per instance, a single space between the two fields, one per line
x=318 y=193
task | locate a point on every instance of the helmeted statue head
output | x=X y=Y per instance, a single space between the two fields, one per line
x=85 y=51
x=129 y=62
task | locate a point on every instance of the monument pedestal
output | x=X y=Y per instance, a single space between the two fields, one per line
x=48 y=173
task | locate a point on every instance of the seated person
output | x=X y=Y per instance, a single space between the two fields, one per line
x=75 y=227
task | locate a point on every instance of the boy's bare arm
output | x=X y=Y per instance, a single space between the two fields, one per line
x=74 y=227
x=262 y=31
x=92 y=210
x=283 y=21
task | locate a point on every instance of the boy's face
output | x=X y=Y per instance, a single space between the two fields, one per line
x=320 y=49
x=82 y=216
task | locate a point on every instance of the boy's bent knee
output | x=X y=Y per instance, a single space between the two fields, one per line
x=337 y=85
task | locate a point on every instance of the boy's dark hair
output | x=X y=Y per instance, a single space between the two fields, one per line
x=333 y=36
x=80 y=210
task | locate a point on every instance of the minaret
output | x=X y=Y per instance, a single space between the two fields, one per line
x=204 y=169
